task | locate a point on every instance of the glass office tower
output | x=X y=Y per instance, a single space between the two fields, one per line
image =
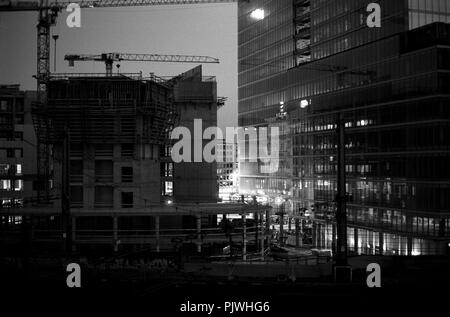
x=317 y=60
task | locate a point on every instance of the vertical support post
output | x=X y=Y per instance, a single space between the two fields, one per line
x=158 y=248
x=314 y=233
x=297 y=232
x=357 y=242
x=342 y=271
x=115 y=234
x=74 y=234
x=262 y=236
x=409 y=245
x=409 y=229
x=333 y=243
x=267 y=227
x=381 y=239
x=65 y=192
x=55 y=38
x=319 y=235
x=281 y=217
x=255 y=216
x=199 y=233
x=341 y=213
x=244 y=237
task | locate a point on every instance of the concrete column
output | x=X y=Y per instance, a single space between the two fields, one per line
x=199 y=233
x=409 y=245
x=281 y=217
x=255 y=215
x=260 y=228
x=297 y=232
x=158 y=247
x=318 y=233
x=244 y=237
x=115 y=233
x=289 y=223
x=267 y=230
x=355 y=236
x=333 y=239
x=262 y=240
x=381 y=241
x=74 y=231
x=267 y=221
x=323 y=234
x=314 y=234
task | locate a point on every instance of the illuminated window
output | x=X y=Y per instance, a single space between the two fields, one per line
x=5 y=184
x=18 y=185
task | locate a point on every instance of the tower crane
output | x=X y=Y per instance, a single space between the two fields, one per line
x=110 y=58
x=47 y=17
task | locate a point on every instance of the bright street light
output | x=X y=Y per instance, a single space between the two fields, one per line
x=258 y=14
x=304 y=103
x=279 y=201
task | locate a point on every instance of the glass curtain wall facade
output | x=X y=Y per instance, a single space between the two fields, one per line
x=391 y=85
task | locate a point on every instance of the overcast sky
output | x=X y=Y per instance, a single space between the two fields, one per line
x=207 y=29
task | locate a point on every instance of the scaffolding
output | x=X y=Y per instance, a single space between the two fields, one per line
x=110 y=110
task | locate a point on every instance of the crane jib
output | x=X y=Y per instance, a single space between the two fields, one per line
x=60 y=5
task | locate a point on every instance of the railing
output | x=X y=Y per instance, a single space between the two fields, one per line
x=76 y=178
x=59 y=76
x=104 y=178
x=310 y=259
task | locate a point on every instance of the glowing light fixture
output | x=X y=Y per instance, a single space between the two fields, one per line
x=279 y=200
x=304 y=103
x=258 y=14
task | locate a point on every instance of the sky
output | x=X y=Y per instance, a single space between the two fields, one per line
x=206 y=29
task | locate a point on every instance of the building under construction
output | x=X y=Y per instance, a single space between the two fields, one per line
x=115 y=183
x=114 y=128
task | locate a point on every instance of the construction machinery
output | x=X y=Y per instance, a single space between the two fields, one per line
x=110 y=58
x=47 y=17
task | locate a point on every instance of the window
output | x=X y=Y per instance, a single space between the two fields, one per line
x=166 y=169
x=127 y=150
x=18 y=135
x=168 y=189
x=76 y=171
x=127 y=200
x=127 y=174
x=103 y=171
x=5 y=184
x=20 y=119
x=4 y=106
x=4 y=169
x=14 y=153
x=76 y=196
x=19 y=105
x=103 y=150
x=18 y=185
x=103 y=197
